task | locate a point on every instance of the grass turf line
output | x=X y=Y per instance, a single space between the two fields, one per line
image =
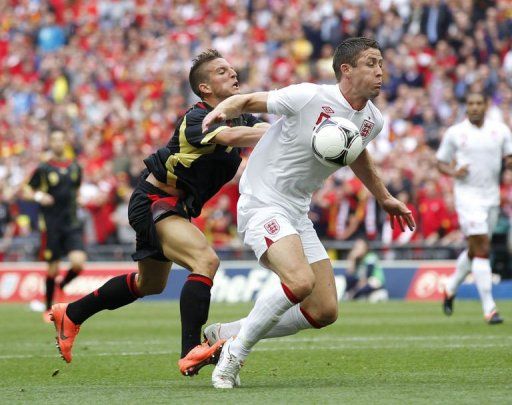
x=395 y=352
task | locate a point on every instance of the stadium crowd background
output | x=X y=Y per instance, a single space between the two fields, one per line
x=115 y=75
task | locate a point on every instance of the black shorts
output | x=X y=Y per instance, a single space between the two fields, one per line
x=148 y=205
x=58 y=241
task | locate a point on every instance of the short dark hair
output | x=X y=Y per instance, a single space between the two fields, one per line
x=197 y=74
x=56 y=128
x=349 y=50
x=482 y=94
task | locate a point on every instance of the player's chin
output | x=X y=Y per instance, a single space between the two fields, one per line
x=374 y=93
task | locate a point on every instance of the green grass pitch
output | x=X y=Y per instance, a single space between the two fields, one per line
x=388 y=353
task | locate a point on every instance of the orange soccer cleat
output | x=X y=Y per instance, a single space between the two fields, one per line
x=66 y=331
x=200 y=356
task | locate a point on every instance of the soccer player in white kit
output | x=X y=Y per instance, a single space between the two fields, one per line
x=472 y=152
x=276 y=190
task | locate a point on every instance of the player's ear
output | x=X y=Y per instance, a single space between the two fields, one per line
x=205 y=88
x=345 y=69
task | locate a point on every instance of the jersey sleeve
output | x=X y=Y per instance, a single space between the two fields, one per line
x=446 y=151
x=252 y=120
x=507 y=142
x=36 y=180
x=290 y=100
x=191 y=127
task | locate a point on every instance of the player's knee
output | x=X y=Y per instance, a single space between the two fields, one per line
x=301 y=288
x=328 y=315
x=152 y=287
x=207 y=264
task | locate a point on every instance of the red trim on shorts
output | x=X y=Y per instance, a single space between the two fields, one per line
x=170 y=200
x=289 y=294
x=202 y=279
x=310 y=319
x=44 y=243
x=96 y=293
x=268 y=242
x=201 y=105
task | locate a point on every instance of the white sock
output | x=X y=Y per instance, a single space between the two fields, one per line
x=462 y=269
x=481 y=269
x=290 y=323
x=229 y=329
x=267 y=310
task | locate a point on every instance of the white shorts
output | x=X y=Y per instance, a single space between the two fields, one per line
x=477 y=219
x=260 y=225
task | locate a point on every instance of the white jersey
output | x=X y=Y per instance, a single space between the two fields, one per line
x=282 y=169
x=482 y=149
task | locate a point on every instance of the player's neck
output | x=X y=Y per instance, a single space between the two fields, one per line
x=479 y=123
x=212 y=101
x=60 y=158
x=356 y=101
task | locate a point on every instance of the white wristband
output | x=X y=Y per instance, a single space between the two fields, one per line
x=38 y=196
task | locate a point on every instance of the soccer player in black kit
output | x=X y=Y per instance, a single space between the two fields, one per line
x=54 y=186
x=177 y=182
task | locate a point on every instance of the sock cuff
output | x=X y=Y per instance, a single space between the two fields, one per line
x=310 y=319
x=289 y=294
x=131 y=280
x=200 y=278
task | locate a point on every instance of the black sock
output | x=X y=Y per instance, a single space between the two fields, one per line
x=194 y=306
x=70 y=275
x=50 y=288
x=115 y=293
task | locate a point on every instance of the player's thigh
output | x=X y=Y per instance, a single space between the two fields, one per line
x=479 y=245
x=287 y=259
x=152 y=275
x=53 y=268
x=183 y=243
x=77 y=259
x=322 y=303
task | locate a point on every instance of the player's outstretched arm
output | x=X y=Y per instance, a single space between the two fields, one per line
x=241 y=136
x=236 y=105
x=365 y=170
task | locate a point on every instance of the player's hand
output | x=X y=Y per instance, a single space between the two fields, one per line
x=211 y=118
x=44 y=199
x=461 y=171
x=398 y=212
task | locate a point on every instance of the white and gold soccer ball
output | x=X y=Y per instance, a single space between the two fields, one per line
x=336 y=142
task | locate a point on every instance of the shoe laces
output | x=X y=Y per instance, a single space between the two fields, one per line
x=230 y=364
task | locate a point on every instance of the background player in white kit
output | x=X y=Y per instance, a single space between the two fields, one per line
x=471 y=152
x=276 y=190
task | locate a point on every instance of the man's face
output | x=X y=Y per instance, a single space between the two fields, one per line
x=476 y=107
x=57 y=142
x=366 y=76
x=222 y=79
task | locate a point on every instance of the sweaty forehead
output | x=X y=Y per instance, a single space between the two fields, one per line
x=370 y=53
x=216 y=64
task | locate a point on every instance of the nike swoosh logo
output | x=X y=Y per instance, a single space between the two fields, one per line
x=62 y=335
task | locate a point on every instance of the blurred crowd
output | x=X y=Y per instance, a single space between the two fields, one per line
x=114 y=74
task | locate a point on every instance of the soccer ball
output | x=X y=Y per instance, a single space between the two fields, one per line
x=336 y=142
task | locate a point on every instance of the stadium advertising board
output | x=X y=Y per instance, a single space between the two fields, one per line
x=238 y=281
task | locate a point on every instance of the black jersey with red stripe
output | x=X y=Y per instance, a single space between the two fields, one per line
x=192 y=162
